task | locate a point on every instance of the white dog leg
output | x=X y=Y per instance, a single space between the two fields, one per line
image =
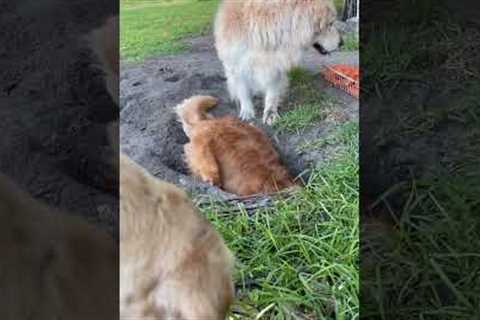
x=239 y=91
x=247 y=110
x=273 y=97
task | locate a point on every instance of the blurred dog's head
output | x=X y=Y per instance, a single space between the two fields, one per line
x=327 y=38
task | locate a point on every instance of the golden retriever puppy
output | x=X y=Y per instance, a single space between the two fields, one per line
x=53 y=265
x=173 y=264
x=229 y=153
x=258 y=41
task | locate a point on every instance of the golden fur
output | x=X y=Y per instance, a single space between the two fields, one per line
x=173 y=264
x=53 y=265
x=229 y=153
x=258 y=41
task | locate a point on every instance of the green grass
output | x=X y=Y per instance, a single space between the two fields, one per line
x=427 y=269
x=339 y=5
x=427 y=266
x=306 y=104
x=299 y=259
x=344 y=135
x=415 y=47
x=300 y=118
x=351 y=42
x=157 y=27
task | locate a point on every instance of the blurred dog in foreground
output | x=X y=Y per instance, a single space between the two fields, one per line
x=173 y=264
x=229 y=153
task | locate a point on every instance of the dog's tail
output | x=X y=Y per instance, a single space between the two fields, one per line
x=193 y=110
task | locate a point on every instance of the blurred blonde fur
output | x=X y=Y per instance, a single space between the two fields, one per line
x=173 y=264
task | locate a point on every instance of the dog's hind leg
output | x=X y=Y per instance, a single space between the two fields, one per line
x=275 y=91
x=202 y=162
x=240 y=92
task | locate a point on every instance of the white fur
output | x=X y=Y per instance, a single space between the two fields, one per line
x=257 y=58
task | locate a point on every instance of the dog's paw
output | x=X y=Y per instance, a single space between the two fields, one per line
x=213 y=180
x=247 y=114
x=269 y=118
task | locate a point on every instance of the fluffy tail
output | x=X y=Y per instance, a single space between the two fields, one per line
x=193 y=110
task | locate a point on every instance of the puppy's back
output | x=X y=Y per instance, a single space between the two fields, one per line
x=248 y=162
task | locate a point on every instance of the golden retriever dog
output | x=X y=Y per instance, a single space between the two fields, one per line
x=258 y=41
x=53 y=265
x=229 y=153
x=173 y=264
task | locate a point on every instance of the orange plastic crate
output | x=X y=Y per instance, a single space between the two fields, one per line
x=345 y=77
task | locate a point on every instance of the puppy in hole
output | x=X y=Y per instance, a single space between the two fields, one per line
x=230 y=154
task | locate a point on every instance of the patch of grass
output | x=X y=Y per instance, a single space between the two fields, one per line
x=339 y=5
x=300 y=118
x=303 y=88
x=351 y=42
x=157 y=27
x=416 y=47
x=429 y=270
x=300 y=77
x=430 y=267
x=307 y=104
x=346 y=134
x=299 y=259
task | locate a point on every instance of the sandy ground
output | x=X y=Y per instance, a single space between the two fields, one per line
x=54 y=107
x=151 y=135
